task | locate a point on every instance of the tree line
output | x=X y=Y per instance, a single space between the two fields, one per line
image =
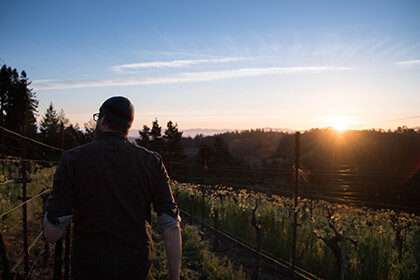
x=18 y=112
x=19 y=109
x=388 y=151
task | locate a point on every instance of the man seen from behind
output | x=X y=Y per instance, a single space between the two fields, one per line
x=108 y=187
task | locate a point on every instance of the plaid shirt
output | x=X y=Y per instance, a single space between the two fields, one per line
x=109 y=185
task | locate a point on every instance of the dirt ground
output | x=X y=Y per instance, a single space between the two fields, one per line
x=42 y=251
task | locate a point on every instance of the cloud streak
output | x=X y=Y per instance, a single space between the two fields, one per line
x=187 y=77
x=172 y=64
x=408 y=63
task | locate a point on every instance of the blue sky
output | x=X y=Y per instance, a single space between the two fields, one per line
x=222 y=64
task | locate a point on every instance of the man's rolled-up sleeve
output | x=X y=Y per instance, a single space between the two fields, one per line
x=61 y=203
x=163 y=200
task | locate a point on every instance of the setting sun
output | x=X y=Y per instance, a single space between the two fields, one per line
x=339 y=122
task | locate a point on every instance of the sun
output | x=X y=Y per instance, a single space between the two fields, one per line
x=340 y=123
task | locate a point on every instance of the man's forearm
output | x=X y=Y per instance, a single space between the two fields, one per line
x=173 y=246
x=51 y=233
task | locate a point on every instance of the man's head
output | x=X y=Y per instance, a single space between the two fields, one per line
x=115 y=114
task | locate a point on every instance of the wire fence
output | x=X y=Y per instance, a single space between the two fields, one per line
x=14 y=182
x=213 y=204
x=313 y=184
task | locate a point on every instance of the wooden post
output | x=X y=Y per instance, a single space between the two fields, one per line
x=203 y=191
x=5 y=260
x=256 y=223
x=67 y=253
x=25 y=216
x=192 y=208
x=297 y=165
x=58 y=259
x=24 y=195
x=216 y=231
x=343 y=256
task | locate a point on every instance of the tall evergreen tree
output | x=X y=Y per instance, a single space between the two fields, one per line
x=221 y=154
x=50 y=127
x=144 y=139
x=18 y=107
x=18 y=102
x=156 y=140
x=174 y=151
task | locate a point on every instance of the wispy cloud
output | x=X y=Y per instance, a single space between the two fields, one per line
x=42 y=81
x=408 y=63
x=173 y=63
x=188 y=77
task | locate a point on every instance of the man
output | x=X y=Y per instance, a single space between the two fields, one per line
x=109 y=185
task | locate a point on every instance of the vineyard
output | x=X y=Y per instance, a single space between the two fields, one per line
x=311 y=238
x=44 y=261
x=381 y=244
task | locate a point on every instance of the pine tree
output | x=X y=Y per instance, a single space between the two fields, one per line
x=221 y=154
x=174 y=151
x=144 y=139
x=50 y=127
x=156 y=140
x=18 y=107
x=18 y=103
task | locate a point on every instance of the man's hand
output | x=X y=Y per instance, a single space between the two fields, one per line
x=51 y=233
x=173 y=246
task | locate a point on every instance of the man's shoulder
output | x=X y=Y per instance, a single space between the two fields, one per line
x=145 y=152
x=81 y=148
x=92 y=148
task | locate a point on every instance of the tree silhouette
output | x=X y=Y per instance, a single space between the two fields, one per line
x=156 y=139
x=174 y=151
x=144 y=139
x=18 y=103
x=50 y=127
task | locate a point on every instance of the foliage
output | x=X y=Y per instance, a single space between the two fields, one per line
x=41 y=179
x=169 y=145
x=18 y=107
x=51 y=126
x=18 y=103
x=56 y=131
x=174 y=151
x=376 y=254
x=197 y=262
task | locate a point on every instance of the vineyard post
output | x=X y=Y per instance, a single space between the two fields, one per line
x=47 y=252
x=58 y=259
x=24 y=198
x=216 y=230
x=192 y=208
x=256 y=223
x=3 y=255
x=68 y=230
x=249 y=175
x=202 y=207
x=25 y=215
x=297 y=165
x=24 y=180
x=67 y=253
x=202 y=187
x=343 y=256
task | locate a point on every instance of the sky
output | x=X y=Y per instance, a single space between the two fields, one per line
x=222 y=64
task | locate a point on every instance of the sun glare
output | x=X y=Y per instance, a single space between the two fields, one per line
x=340 y=123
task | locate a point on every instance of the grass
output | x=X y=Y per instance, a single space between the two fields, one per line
x=197 y=262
